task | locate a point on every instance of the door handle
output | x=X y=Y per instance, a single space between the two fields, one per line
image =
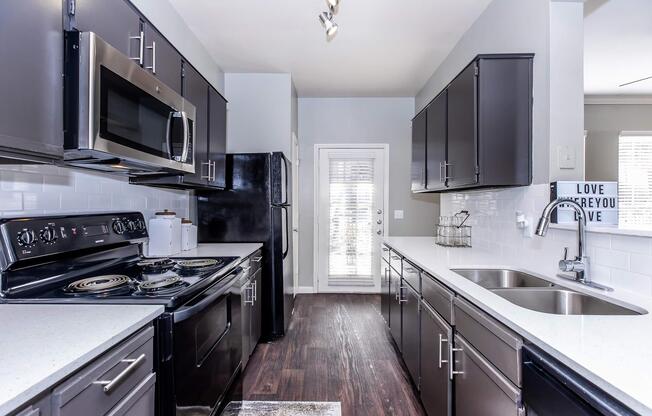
x=379 y=232
x=141 y=47
x=440 y=361
x=153 y=49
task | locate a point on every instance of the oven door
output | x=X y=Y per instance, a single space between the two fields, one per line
x=126 y=113
x=207 y=347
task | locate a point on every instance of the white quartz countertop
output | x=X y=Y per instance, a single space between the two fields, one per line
x=613 y=352
x=40 y=345
x=221 y=249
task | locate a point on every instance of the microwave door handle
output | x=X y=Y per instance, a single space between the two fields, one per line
x=168 y=132
x=186 y=137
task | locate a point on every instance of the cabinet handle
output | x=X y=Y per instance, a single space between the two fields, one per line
x=111 y=384
x=249 y=289
x=207 y=177
x=451 y=361
x=395 y=257
x=214 y=170
x=255 y=283
x=441 y=340
x=443 y=167
x=141 y=47
x=410 y=270
x=400 y=294
x=153 y=49
x=257 y=259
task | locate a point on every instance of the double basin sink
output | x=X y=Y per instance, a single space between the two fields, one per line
x=540 y=295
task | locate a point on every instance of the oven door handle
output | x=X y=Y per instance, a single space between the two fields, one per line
x=225 y=284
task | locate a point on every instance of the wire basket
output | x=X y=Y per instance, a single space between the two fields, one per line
x=451 y=231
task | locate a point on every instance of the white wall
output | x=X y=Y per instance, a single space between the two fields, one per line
x=259 y=113
x=619 y=261
x=47 y=189
x=171 y=25
x=507 y=26
x=361 y=120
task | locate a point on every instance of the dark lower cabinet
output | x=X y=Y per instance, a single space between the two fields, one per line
x=418 y=173
x=436 y=386
x=410 y=326
x=395 y=307
x=384 y=290
x=31 y=88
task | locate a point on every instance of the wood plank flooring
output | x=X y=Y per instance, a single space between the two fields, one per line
x=337 y=349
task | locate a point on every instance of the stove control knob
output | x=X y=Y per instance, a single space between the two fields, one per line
x=131 y=226
x=140 y=225
x=119 y=227
x=48 y=235
x=26 y=238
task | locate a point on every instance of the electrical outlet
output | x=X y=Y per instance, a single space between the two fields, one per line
x=398 y=214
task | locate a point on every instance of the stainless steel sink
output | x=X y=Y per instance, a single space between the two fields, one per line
x=501 y=278
x=561 y=301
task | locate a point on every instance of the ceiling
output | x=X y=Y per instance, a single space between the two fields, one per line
x=617 y=46
x=383 y=48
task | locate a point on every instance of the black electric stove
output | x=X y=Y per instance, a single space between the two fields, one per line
x=97 y=258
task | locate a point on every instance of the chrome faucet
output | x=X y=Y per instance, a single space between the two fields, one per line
x=580 y=265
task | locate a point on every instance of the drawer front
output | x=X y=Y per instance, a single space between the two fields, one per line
x=438 y=297
x=480 y=389
x=384 y=252
x=412 y=275
x=395 y=261
x=140 y=401
x=256 y=261
x=87 y=392
x=500 y=345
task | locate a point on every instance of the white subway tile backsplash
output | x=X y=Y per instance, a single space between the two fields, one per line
x=624 y=262
x=49 y=189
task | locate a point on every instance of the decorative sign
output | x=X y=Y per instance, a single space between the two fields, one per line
x=599 y=200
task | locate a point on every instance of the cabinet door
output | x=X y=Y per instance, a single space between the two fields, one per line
x=384 y=290
x=419 y=152
x=410 y=324
x=195 y=90
x=246 y=299
x=31 y=62
x=115 y=22
x=217 y=138
x=436 y=392
x=161 y=59
x=436 y=142
x=462 y=143
x=395 y=307
x=257 y=311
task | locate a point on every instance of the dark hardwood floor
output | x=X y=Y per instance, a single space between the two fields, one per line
x=337 y=349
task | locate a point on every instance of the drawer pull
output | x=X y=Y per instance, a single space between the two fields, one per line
x=410 y=270
x=109 y=385
x=257 y=259
x=441 y=340
x=451 y=362
x=395 y=257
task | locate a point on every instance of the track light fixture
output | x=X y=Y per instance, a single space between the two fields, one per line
x=326 y=19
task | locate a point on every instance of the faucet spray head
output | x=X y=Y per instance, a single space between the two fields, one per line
x=542 y=226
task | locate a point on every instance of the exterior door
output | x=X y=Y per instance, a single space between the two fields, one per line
x=462 y=143
x=350 y=219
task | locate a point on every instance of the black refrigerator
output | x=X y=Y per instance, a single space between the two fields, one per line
x=256 y=207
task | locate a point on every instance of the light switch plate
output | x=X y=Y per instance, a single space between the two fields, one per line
x=398 y=214
x=566 y=157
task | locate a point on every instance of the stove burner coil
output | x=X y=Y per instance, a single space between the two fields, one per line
x=152 y=285
x=197 y=263
x=98 y=283
x=155 y=263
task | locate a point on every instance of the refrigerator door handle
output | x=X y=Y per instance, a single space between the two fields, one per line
x=286 y=233
x=285 y=190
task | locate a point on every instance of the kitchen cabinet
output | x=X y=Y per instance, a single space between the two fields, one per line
x=385 y=299
x=251 y=310
x=418 y=173
x=162 y=59
x=479 y=128
x=31 y=61
x=195 y=90
x=436 y=386
x=395 y=307
x=410 y=330
x=115 y=21
x=437 y=116
x=217 y=138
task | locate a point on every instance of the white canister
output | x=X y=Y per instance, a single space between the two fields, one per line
x=164 y=234
x=188 y=235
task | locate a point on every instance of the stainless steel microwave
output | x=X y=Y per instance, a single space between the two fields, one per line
x=119 y=117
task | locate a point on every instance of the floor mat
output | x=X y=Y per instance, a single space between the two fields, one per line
x=253 y=408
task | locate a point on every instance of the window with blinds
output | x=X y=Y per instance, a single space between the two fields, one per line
x=351 y=203
x=635 y=181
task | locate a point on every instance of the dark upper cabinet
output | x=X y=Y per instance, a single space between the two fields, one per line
x=462 y=157
x=479 y=129
x=195 y=90
x=162 y=59
x=31 y=88
x=115 y=21
x=419 y=152
x=436 y=143
x=217 y=138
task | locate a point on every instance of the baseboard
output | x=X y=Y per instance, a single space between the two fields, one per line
x=304 y=289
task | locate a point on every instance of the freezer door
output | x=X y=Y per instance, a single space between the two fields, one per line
x=281 y=179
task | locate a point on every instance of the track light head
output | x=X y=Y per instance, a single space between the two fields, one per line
x=333 y=6
x=331 y=27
